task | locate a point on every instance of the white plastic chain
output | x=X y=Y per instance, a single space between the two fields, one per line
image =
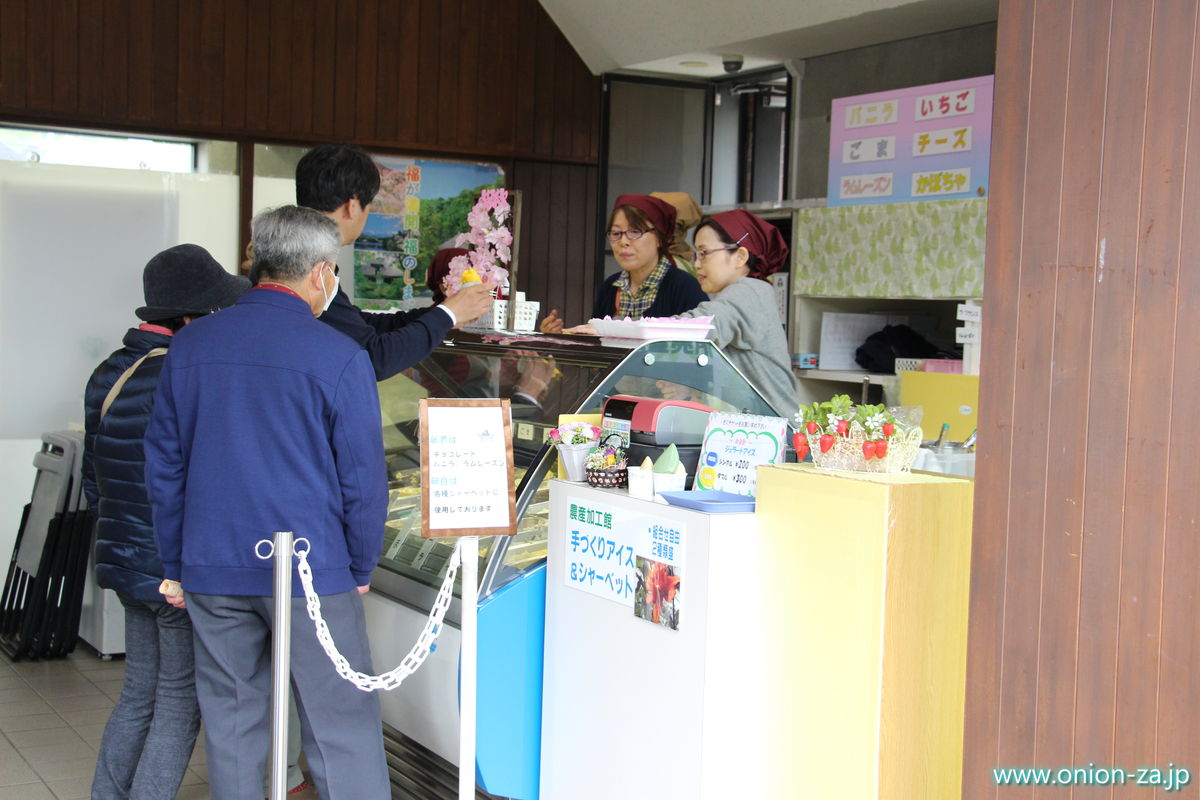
x=421 y=649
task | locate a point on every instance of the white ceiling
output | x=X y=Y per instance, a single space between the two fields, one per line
x=656 y=35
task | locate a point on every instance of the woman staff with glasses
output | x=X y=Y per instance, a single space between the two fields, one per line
x=736 y=253
x=649 y=284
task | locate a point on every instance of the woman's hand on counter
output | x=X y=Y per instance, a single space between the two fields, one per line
x=585 y=328
x=364 y=589
x=551 y=323
x=469 y=303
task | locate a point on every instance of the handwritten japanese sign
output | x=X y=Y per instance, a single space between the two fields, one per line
x=734 y=447
x=924 y=142
x=466 y=468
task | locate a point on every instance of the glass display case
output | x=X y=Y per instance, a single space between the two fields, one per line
x=543 y=377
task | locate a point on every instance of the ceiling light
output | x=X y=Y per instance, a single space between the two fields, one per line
x=694 y=64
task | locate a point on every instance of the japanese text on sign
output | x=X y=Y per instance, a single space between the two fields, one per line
x=879 y=148
x=949 y=140
x=867 y=114
x=944 y=104
x=946 y=181
x=600 y=552
x=873 y=185
x=468 y=468
x=734 y=447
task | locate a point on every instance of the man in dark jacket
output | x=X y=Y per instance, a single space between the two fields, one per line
x=340 y=181
x=267 y=420
x=150 y=734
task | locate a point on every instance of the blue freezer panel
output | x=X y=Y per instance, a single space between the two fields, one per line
x=512 y=631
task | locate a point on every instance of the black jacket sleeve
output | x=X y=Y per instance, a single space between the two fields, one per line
x=394 y=343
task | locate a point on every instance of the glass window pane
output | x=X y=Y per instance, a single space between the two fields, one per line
x=92 y=150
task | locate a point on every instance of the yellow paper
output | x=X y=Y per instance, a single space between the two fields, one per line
x=946 y=398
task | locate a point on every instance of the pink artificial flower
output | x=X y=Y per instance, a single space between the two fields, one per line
x=596 y=432
x=555 y=435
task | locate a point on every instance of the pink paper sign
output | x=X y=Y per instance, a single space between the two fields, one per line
x=920 y=143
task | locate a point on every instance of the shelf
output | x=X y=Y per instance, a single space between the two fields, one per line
x=845 y=376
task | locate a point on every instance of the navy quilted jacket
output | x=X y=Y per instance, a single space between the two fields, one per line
x=113 y=464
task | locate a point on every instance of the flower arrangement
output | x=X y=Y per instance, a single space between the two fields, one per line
x=489 y=242
x=862 y=438
x=570 y=433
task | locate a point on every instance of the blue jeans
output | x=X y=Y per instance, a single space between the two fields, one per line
x=149 y=737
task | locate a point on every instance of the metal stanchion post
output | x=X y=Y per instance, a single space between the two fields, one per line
x=466 y=733
x=281 y=657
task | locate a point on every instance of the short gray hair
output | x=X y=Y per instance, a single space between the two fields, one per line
x=289 y=240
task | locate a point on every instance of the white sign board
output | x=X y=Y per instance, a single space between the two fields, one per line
x=734 y=447
x=466 y=468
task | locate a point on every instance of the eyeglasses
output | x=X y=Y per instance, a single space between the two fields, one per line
x=631 y=235
x=703 y=254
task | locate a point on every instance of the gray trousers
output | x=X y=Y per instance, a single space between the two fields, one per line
x=341 y=727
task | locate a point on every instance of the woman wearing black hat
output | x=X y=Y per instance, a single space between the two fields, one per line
x=649 y=284
x=149 y=736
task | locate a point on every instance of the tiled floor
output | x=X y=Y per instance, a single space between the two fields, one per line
x=52 y=714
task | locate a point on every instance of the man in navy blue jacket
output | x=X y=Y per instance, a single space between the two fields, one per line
x=268 y=420
x=340 y=181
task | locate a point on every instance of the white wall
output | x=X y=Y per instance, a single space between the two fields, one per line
x=73 y=242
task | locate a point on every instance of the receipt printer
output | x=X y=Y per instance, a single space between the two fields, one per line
x=650 y=424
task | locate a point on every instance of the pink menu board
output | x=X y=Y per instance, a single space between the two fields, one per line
x=921 y=143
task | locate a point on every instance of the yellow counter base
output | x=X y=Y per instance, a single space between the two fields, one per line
x=877 y=574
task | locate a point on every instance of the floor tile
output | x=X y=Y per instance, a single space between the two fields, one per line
x=82 y=703
x=23 y=708
x=71 y=768
x=71 y=788
x=12 y=681
x=42 y=754
x=195 y=775
x=33 y=791
x=44 y=668
x=22 y=739
x=112 y=689
x=86 y=716
x=32 y=722
x=14 y=770
x=91 y=733
x=192 y=792
x=17 y=693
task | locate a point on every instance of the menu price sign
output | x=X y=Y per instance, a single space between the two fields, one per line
x=466 y=468
x=919 y=143
x=734 y=447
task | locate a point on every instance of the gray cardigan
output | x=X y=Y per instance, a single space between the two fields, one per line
x=747 y=328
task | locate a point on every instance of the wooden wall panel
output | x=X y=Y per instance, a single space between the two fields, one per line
x=1083 y=631
x=472 y=77
x=489 y=80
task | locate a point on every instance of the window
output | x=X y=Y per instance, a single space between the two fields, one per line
x=93 y=150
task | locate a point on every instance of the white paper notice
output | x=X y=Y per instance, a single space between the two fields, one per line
x=735 y=446
x=468 y=468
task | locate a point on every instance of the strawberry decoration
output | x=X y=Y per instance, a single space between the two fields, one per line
x=826 y=443
x=843 y=427
x=888 y=429
x=812 y=427
x=868 y=449
x=881 y=448
x=799 y=442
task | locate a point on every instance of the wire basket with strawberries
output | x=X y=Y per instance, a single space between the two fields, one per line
x=862 y=438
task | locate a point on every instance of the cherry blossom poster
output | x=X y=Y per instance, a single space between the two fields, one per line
x=421 y=206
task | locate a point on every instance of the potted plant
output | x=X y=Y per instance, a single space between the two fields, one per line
x=574 y=440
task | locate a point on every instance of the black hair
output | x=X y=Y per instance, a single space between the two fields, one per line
x=331 y=174
x=709 y=222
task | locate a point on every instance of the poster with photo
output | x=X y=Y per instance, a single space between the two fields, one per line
x=422 y=205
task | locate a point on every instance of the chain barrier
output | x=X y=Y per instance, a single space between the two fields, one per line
x=426 y=641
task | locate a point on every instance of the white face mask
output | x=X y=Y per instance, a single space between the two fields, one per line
x=328 y=296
